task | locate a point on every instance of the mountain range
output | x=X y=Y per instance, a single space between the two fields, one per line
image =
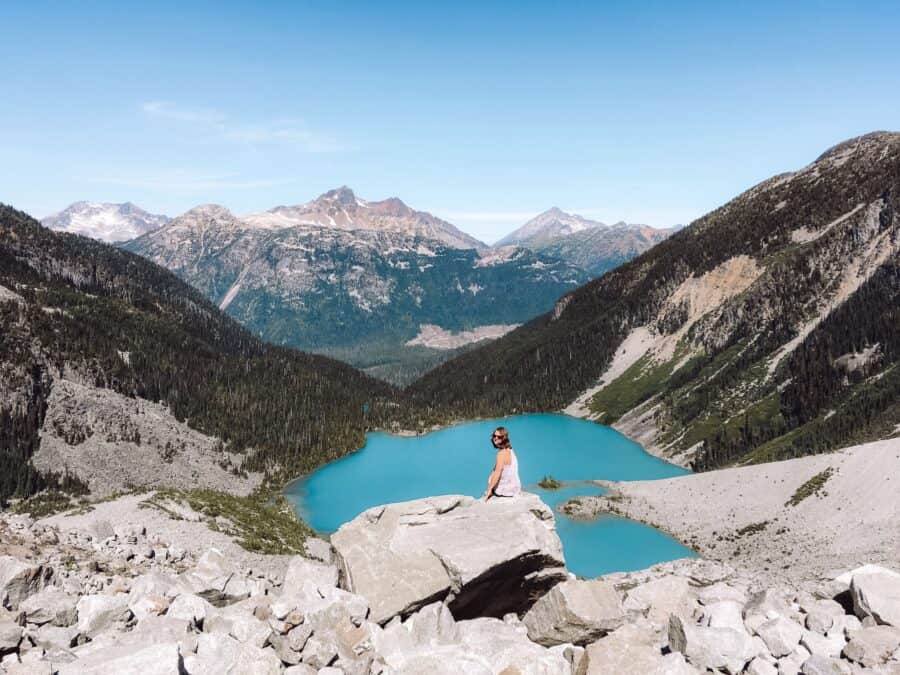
x=110 y=363
x=361 y=286
x=591 y=245
x=768 y=328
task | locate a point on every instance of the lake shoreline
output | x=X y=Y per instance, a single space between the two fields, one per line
x=793 y=520
x=403 y=465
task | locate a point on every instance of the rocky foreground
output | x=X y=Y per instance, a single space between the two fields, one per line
x=443 y=585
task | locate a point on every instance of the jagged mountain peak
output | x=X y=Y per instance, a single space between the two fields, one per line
x=216 y=211
x=342 y=209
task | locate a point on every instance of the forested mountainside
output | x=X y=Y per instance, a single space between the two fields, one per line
x=360 y=295
x=591 y=245
x=769 y=328
x=77 y=310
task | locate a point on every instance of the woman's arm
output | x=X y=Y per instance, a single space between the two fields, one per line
x=494 y=478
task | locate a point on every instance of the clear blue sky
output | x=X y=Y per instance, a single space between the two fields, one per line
x=481 y=112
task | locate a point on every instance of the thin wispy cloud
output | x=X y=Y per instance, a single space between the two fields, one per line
x=219 y=125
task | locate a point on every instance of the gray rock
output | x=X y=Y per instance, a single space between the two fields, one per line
x=190 y=607
x=96 y=613
x=212 y=573
x=720 y=592
x=759 y=666
x=55 y=637
x=724 y=614
x=817 y=643
x=576 y=612
x=10 y=636
x=318 y=653
x=714 y=648
x=630 y=650
x=19 y=579
x=820 y=615
x=32 y=668
x=217 y=653
x=301 y=569
x=49 y=606
x=844 y=625
x=300 y=669
x=402 y=557
x=818 y=664
x=319 y=549
x=877 y=594
x=660 y=598
x=154 y=659
x=780 y=635
x=872 y=646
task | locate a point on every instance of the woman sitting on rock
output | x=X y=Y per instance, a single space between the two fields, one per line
x=504 y=479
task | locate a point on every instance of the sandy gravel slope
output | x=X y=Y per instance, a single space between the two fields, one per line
x=740 y=515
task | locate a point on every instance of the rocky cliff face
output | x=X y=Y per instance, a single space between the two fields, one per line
x=766 y=329
x=358 y=294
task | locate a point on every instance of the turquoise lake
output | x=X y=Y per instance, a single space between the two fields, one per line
x=458 y=460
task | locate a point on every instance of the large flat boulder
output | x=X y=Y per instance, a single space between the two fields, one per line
x=482 y=559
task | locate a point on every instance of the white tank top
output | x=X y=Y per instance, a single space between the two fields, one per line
x=509 y=485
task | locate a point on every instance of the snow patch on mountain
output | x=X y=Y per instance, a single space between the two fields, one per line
x=104 y=221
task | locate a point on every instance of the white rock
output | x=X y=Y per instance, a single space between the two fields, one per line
x=96 y=613
x=401 y=557
x=844 y=625
x=662 y=597
x=820 y=615
x=872 y=646
x=877 y=594
x=759 y=666
x=630 y=650
x=318 y=653
x=300 y=669
x=54 y=637
x=217 y=653
x=50 y=605
x=19 y=579
x=817 y=643
x=847 y=578
x=819 y=664
x=190 y=607
x=714 y=648
x=724 y=614
x=212 y=573
x=576 y=612
x=719 y=592
x=301 y=569
x=154 y=659
x=10 y=636
x=780 y=635
x=319 y=549
x=148 y=604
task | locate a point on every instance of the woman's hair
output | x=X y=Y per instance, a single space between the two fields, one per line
x=502 y=437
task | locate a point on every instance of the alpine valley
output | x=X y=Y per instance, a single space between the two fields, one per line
x=767 y=329
x=376 y=284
